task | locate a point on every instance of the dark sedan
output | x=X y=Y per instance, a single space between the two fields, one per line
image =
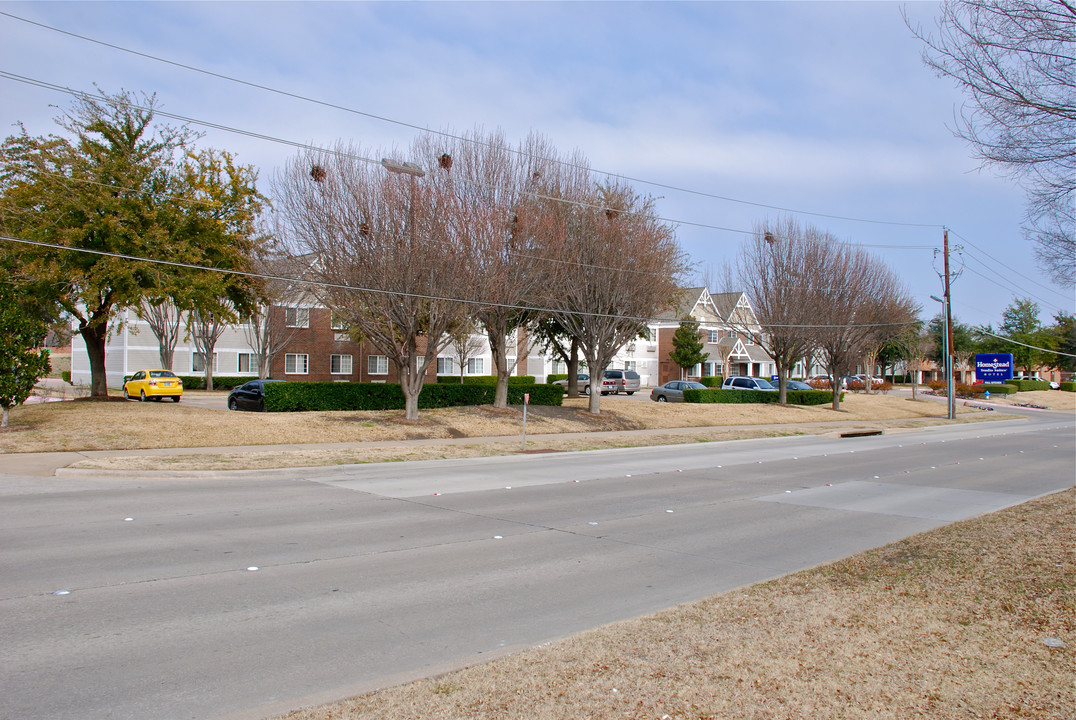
x=249 y=396
x=674 y=391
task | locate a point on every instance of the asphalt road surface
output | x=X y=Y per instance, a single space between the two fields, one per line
x=251 y=593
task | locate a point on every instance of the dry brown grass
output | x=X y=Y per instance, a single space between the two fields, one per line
x=947 y=624
x=119 y=425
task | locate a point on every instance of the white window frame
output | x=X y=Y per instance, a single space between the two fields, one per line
x=337 y=323
x=714 y=336
x=343 y=363
x=476 y=366
x=297 y=317
x=631 y=365
x=377 y=364
x=294 y=360
x=446 y=366
x=559 y=367
x=252 y=363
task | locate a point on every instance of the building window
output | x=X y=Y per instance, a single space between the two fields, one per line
x=297 y=317
x=377 y=364
x=296 y=363
x=476 y=366
x=559 y=367
x=631 y=365
x=337 y=323
x=732 y=334
x=198 y=362
x=712 y=336
x=340 y=364
x=248 y=363
x=446 y=366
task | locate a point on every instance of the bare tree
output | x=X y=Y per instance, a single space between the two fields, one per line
x=860 y=298
x=494 y=206
x=626 y=265
x=386 y=258
x=206 y=325
x=466 y=342
x=777 y=269
x=164 y=319
x=266 y=329
x=1015 y=59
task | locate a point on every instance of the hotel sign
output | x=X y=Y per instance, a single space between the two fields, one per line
x=993 y=367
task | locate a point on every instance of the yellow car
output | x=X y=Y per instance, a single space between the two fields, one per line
x=153 y=384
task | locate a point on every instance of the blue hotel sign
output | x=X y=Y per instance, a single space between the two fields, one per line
x=993 y=367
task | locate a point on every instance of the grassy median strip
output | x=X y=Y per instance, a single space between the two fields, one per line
x=967 y=621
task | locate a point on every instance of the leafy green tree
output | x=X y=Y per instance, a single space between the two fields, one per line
x=120 y=185
x=964 y=343
x=1020 y=323
x=687 y=346
x=21 y=364
x=1063 y=341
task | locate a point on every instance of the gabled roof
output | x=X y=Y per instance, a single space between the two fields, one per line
x=694 y=302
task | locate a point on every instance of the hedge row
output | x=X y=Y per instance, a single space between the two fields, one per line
x=302 y=396
x=1028 y=385
x=795 y=397
x=223 y=382
x=711 y=381
x=1068 y=386
x=484 y=380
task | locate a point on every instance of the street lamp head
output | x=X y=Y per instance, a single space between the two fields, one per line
x=938 y=299
x=405 y=168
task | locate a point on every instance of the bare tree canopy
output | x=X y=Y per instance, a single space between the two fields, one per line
x=860 y=302
x=385 y=257
x=609 y=264
x=777 y=269
x=1016 y=60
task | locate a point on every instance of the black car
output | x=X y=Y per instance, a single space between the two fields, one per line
x=249 y=396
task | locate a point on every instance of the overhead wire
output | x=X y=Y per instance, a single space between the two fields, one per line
x=378 y=291
x=338 y=153
x=335 y=106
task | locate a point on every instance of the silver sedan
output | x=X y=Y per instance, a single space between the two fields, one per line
x=673 y=391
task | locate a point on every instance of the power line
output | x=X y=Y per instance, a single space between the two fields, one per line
x=1017 y=342
x=1002 y=263
x=427 y=130
x=378 y=291
x=337 y=153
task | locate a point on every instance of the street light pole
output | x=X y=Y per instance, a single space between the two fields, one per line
x=950 y=400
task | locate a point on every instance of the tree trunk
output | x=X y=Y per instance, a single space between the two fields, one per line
x=3 y=422
x=594 y=405
x=499 y=350
x=411 y=385
x=573 y=369
x=95 y=338
x=782 y=382
x=836 y=393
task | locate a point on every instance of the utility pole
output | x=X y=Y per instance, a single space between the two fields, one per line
x=948 y=331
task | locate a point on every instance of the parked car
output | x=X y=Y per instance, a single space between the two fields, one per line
x=798 y=385
x=153 y=384
x=620 y=381
x=249 y=396
x=741 y=382
x=582 y=381
x=673 y=391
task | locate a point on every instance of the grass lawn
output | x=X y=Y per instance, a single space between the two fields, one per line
x=946 y=624
x=369 y=436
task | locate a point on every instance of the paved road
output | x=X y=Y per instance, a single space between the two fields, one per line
x=369 y=575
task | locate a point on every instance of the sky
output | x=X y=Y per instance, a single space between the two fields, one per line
x=729 y=113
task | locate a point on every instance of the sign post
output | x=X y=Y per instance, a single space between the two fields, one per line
x=526 y=401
